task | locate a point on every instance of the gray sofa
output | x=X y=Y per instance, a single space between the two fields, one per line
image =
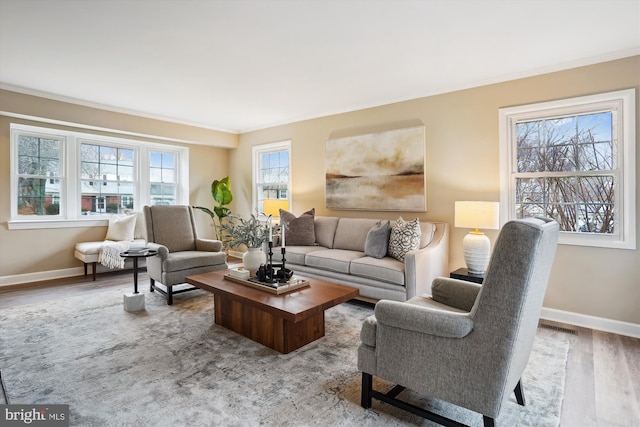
x=338 y=256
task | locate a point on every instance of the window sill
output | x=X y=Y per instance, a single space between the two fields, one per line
x=595 y=240
x=30 y=224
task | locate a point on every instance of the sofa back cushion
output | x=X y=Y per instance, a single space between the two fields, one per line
x=326 y=230
x=351 y=233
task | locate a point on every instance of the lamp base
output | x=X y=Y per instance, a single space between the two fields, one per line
x=476 y=248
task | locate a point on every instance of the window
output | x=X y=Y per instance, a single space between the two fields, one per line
x=162 y=177
x=39 y=175
x=271 y=174
x=574 y=161
x=64 y=179
x=106 y=178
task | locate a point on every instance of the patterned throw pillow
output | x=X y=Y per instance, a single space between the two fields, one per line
x=405 y=236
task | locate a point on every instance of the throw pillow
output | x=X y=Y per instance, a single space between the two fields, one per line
x=377 y=240
x=404 y=237
x=140 y=230
x=300 y=231
x=121 y=227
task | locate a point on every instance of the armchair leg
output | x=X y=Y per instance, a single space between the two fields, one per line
x=488 y=421
x=365 y=399
x=519 y=394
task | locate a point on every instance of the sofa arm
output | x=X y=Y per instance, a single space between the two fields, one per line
x=423 y=319
x=455 y=293
x=163 y=251
x=209 y=245
x=422 y=266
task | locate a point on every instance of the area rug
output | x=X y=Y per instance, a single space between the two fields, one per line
x=173 y=366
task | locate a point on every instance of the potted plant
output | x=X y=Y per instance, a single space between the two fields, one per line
x=252 y=233
x=221 y=193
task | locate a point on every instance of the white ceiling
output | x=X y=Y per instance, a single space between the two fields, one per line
x=245 y=65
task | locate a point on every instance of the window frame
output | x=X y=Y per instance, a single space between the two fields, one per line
x=257 y=151
x=624 y=169
x=70 y=213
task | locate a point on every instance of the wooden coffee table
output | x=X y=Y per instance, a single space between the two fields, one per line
x=283 y=322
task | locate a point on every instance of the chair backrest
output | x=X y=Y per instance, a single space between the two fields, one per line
x=171 y=226
x=508 y=306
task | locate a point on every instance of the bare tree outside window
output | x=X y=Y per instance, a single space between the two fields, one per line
x=39 y=175
x=566 y=170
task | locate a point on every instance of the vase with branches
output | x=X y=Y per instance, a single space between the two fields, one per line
x=250 y=232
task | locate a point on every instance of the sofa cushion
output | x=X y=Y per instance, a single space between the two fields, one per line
x=332 y=259
x=300 y=231
x=295 y=254
x=121 y=228
x=186 y=260
x=326 y=230
x=377 y=240
x=352 y=233
x=387 y=269
x=404 y=237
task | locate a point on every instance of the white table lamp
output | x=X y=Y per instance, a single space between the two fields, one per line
x=476 y=246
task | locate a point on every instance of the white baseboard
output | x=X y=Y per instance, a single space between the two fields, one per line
x=40 y=275
x=591 y=322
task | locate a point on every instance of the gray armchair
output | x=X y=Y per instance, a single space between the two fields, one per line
x=467 y=344
x=171 y=230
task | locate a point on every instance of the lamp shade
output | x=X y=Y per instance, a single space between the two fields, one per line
x=477 y=215
x=272 y=206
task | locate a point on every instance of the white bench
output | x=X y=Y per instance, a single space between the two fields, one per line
x=89 y=252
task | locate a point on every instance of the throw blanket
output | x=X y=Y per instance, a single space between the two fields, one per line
x=110 y=253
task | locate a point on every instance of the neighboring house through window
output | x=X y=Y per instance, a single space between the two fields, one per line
x=63 y=178
x=271 y=173
x=573 y=160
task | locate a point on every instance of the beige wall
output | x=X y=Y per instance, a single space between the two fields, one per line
x=463 y=164
x=24 y=252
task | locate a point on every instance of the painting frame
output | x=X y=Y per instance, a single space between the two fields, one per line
x=380 y=171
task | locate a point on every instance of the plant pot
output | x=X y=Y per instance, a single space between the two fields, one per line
x=253 y=259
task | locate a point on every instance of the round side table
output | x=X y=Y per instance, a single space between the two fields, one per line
x=134 y=301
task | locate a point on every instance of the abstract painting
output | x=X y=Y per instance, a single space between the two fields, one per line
x=377 y=171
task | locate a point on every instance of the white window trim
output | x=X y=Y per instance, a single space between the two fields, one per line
x=71 y=217
x=256 y=151
x=625 y=199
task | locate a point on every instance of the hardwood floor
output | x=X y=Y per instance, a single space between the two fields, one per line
x=603 y=370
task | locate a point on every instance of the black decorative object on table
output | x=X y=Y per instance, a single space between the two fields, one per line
x=267 y=272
